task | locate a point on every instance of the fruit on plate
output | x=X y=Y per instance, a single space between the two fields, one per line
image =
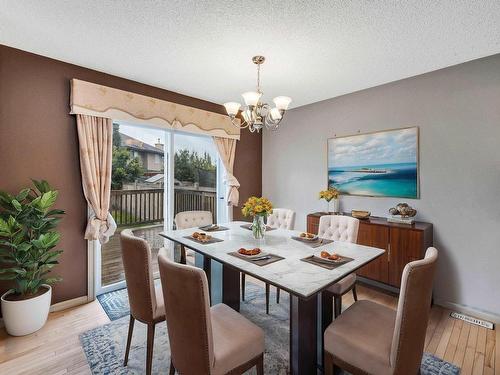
x=327 y=255
x=244 y=251
x=308 y=236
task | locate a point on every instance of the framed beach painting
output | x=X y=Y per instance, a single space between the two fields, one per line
x=380 y=164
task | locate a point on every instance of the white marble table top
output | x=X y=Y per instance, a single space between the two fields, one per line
x=291 y=274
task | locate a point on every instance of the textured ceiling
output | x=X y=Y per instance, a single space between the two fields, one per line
x=315 y=49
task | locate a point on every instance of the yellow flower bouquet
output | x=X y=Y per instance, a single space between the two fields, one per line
x=329 y=194
x=257 y=206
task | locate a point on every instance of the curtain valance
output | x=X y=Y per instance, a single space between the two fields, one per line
x=101 y=101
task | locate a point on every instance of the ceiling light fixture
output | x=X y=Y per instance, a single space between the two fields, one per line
x=255 y=113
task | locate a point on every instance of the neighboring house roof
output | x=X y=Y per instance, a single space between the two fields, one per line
x=156 y=178
x=137 y=145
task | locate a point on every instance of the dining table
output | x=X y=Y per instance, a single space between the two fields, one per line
x=307 y=283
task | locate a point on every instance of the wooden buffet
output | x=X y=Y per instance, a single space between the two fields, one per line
x=403 y=243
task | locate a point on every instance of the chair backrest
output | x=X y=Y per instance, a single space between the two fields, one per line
x=339 y=228
x=191 y=219
x=187 y=311
x=413 y=314
x=282 y=218
x=136 y=256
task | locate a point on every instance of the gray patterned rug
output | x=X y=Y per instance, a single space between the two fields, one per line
x=105 y=346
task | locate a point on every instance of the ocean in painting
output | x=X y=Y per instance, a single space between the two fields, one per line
x=387 y=180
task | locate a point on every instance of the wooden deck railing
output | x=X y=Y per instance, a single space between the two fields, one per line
x=132 y=207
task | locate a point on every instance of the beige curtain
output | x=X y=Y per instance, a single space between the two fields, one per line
x=227 y=149
x=95 y=136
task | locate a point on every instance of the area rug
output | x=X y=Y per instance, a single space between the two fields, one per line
x=115 y=303
x=105 y=346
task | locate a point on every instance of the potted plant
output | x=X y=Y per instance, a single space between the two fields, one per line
x=27 y=241
x=331 y=196
x=259 y=208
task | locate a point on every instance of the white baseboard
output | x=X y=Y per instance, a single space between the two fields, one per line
x=69 y=303
x=494 y=318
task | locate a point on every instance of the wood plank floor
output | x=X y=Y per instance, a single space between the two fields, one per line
x=55 y=349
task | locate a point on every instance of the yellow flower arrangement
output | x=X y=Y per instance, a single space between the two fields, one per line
x=257 y=206
x=329 y=194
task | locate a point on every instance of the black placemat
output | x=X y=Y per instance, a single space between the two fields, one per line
x=317 y=243
x=207 y=229
x=249 y=227
x=273 y=258
x=211 y=240
x=329 y=266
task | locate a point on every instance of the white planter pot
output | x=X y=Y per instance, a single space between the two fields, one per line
x=26 y=316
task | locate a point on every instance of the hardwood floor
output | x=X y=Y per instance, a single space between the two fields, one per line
x=55 y=349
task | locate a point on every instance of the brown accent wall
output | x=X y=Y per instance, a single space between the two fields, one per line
x=248 y=168
x=38 y=140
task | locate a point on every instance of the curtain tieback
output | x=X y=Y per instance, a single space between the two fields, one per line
x=230 y=180
x=99 y=229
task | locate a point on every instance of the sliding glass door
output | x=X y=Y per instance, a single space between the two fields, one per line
x=156 y=174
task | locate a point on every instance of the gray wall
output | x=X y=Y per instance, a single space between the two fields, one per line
x=458 y=112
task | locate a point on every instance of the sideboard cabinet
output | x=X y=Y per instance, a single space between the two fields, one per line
x=403 y=243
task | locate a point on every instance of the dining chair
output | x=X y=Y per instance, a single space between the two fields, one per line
x=281 y=218
x=205 y=340
x=146 y=301
x=191 y=219
x=369 y=338
x=344 y=229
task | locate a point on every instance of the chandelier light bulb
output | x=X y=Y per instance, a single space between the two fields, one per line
x=232 y=108
x=251 y=97
x=275 y=114
x=282 y=102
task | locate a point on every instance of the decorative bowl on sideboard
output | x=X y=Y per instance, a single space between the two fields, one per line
x=359 y=214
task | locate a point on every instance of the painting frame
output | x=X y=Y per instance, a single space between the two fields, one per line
x=417 y=161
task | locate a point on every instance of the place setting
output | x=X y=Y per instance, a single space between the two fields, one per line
x=203 y=238
x=213 y=228
x=256 y=256
x=327 y=260
x=311 y=239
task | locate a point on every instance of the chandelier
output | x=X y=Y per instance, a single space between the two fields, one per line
x=255 y=113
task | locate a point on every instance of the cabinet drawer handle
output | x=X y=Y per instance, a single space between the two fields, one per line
x=388 y=253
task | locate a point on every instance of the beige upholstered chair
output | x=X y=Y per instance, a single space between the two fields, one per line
x=146 y=301
x=191 y=219
x=205 y=340
x=344 y=229
x=369 y=338
x=281 y=218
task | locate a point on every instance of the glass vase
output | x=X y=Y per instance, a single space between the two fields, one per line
x=258 y=227
x=333 y=206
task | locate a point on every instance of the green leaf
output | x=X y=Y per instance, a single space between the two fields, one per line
x=42 y=186
x=23 y=194
x=52 y=280
x=4 y=228
x=17 y=205
x=48 y=199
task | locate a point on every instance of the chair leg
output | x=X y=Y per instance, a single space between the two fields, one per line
x=278 y=295
x=183 y=255
x=129 y=339
x=337 y=305
x=354 y=293
x=149 y=348
x=267 y=298
x=260 y=365
x=328 y=370
x=242 y=286
x=172 y=368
